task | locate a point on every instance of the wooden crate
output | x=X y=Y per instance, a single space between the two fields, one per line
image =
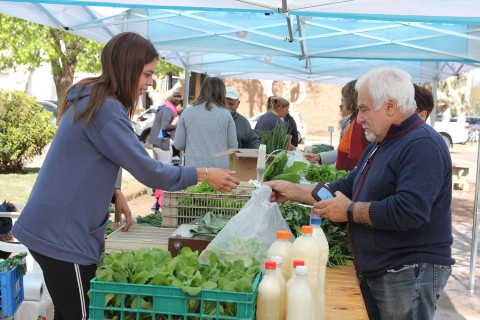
x=138 y=236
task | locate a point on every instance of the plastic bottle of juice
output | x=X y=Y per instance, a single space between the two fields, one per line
x=290 y=281
x=306 y=248
x=299 y=297
x=269 y=295
x=281 y=281
x=296 y=263
x=283 y=247
x=319 y=235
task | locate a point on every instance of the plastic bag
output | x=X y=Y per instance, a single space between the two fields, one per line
x=250 y=232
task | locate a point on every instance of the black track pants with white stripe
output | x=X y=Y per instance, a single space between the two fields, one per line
x=68 y=285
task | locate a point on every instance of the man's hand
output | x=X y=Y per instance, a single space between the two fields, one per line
x=334 y=209
x=281 y=190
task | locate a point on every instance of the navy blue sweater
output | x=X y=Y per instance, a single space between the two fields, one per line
x=408 y=181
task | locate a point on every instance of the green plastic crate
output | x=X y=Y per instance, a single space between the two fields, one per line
x=167 y=302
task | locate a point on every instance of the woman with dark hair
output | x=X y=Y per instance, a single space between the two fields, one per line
x=64 y=220
x=207 y=127
x=424 y=101
x=352 y=136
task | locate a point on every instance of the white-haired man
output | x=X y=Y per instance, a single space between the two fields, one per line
x=397 y=202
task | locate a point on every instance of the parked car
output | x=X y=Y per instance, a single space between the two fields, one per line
x=474 y=122
x=453 y=132
x=143 y=124
x=301 y=125
x=51 y=107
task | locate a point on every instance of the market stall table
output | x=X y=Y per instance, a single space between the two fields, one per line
x=343 y=296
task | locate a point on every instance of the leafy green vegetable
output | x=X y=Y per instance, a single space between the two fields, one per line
x=15 y=261
x=296 y=167
x=324 y=173
x=153 y=219
x=292 y=177
x=321 y=148
x=277 y=165
x=297 y=215
x=340 y=252
x=275 y=139
x=210 y=225
x=157 y=267
x=191 y=203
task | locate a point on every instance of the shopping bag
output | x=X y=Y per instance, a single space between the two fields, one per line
x=250 y=232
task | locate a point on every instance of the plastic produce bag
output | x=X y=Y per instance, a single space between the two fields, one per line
x=250 y=232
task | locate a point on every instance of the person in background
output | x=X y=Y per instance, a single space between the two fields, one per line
x=207 y=127
x=292 y=129
x=424 y=101
x=6 y=226
x=246 y=137
x=161 y=135
x=397 y=202
x=277 y=109
x=352 y=136
x=64 y=220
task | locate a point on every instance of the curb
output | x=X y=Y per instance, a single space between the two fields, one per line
x=135 y=193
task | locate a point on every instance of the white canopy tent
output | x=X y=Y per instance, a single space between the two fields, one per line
x=329 y=41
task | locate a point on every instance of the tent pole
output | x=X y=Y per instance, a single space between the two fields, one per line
x=474 y=246
x=186 y=88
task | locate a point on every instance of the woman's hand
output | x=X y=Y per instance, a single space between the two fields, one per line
x=312 y=157
x=121 y=207
x=219 y=179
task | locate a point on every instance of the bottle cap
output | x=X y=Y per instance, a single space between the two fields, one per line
x=301 y=270
x=283 y=234
x=277 y=259
x=307 y=229
x=269 y=264
x=315 y=220
x=297 y=263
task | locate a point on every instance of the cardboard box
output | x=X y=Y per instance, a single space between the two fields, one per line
x=243 y=161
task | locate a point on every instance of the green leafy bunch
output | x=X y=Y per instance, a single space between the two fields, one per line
x=14 y=261
x=275 y=139
x=323 y=173
x=157 y=267
x=340 y=250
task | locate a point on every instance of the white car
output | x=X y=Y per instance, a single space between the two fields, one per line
x=301 y=125
x=143 y=124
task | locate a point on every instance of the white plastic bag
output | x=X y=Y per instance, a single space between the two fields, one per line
x=250 y=232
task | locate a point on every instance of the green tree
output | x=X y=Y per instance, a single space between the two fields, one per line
x=31 y=44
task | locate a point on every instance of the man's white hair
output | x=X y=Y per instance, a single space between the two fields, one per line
x=389 y=83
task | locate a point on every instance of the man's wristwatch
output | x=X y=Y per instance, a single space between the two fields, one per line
x=350 y=212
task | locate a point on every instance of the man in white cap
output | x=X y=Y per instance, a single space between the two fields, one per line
x=245 y=135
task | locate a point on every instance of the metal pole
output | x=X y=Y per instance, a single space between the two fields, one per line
x=474 y=247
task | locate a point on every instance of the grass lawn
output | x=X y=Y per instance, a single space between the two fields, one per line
x=16 y=188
